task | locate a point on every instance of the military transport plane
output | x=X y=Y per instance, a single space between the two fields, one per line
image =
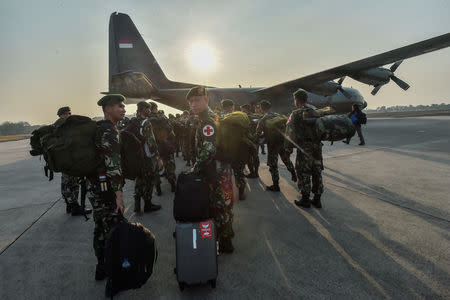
x=135 y=73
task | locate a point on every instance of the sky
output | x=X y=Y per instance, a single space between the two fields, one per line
x=55 y=52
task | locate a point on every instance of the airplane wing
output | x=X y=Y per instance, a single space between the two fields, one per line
x=382 y=59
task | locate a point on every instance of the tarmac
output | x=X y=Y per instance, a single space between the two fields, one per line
x=383 y=233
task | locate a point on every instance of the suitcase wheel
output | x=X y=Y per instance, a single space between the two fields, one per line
x=213 y=283
x=181 y=285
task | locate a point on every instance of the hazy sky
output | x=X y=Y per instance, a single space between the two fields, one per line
x=55 y=53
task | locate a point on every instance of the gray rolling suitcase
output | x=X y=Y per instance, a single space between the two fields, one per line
x=196 y=253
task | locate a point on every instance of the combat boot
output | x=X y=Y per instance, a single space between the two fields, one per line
x=137 y=204
x=158 y=190
x=77 y=210
x=68 y=208
x=241 y=193
x=316 y=201
x=100 y=272
x=304 y=202
x=293 y=176
x=226 y=246
x=273 y=188
x=149 y=206
x=173 y=186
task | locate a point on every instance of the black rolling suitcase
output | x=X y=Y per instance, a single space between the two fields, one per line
x=196 y=253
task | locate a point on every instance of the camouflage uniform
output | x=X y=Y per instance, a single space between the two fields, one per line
x=70 y=188
x=143 y=187
x=166 y=145
x=207 y=166
x=274 y=148
x=104 y=203
x=253 y=164
x=309 y=161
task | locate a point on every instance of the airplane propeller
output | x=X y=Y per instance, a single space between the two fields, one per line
x=346 y=94
x=403 y=85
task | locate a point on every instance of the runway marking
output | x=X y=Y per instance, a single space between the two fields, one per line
x=276 y=206
x=327 y=235
x=422 y=277
x=277 y=262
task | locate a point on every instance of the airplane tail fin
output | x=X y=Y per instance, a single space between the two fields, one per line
x=129 y=52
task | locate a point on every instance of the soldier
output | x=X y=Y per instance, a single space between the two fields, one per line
x=309 y=150
x=253 y=164
x=144 y=184
x=260 y=114
x=238 y=168
x=275 y=146
x=165 y=138
x=70 y=185
x=105 y=189
x=207 y=166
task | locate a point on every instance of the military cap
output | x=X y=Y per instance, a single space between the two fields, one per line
x=110 y=99
x=246 y=106
x=300 y=94
x=227 y=103
x=265 y=104
x=196 y=91
x=63 y=110
x=141 y=105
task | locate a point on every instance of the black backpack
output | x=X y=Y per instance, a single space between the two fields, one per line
x=362 y=118
x=130 y=256
x=191 y=203
x=131 y=150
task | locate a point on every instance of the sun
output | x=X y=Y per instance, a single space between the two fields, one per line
x=201 y=56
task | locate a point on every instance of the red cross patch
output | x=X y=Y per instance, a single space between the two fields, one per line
x=208 y=130
x=205 y=229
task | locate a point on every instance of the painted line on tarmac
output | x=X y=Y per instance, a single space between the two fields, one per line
x=277 y=262
x=31 y=225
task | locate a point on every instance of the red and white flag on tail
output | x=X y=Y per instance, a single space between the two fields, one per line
x=125 y=44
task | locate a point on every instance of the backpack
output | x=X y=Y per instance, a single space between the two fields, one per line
x=130 y=256
x=275 y=128
x=234 y=139
x=163 y=134
x=68 y=146
x=334 y=128
x=131 y=150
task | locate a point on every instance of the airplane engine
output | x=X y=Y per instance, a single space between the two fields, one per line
x=379 y=77
x=329 y=88
x=132 y=85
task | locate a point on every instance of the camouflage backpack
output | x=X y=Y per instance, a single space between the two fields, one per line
x=334 y=128
x=275 y=128
x=68 y=146
x=163 y=132
x=234 y=138
x=131 y=150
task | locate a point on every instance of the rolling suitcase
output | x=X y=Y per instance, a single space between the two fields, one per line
x=196 y=253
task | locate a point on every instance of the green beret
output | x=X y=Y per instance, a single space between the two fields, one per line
x=300 y=94
x=196 y=91
x=246 y=106
x=110 y=99
x=63 y=110
x=141 y=105
x=265 y=104
x=153 y=105
x=227 y=103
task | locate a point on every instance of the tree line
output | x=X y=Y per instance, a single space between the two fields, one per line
x=10 y=128
x=442 y=106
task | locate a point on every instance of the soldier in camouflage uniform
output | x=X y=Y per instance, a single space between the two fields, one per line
x=260 y=114
x=105 y=189
x=70 y=185
x=143 y=187
x=275 y=147
x=207 y=166
x=309 y=163
x=166 y=144
x=238 y=168
x=253 y=164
